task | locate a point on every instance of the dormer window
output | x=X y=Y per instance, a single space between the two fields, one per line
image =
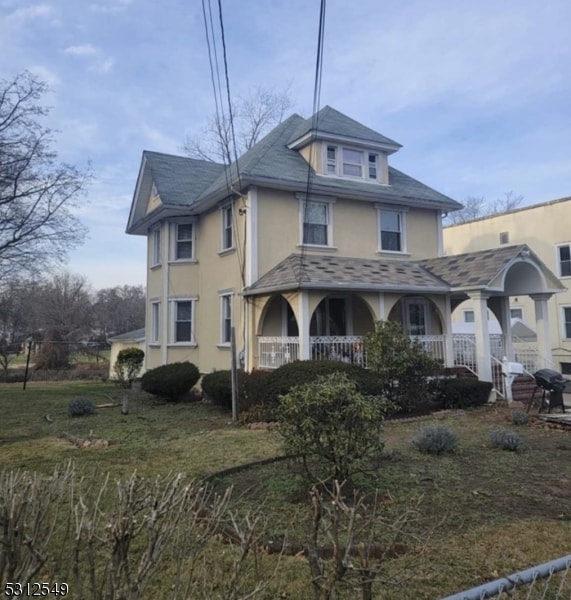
x=356 y=164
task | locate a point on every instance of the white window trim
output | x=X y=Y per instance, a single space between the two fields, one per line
x=366 y=152
x=222 y=295
x=562 y=317
x=174 y=241
x=558 y=260
x=155 y=333
x=517 y=308
x=223 y=228
x=155 y=250
x=402 y=213
x=324 y=200
x=172 y=315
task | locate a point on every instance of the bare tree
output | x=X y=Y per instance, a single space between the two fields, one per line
x=253 y=116
x=476 y=207
x=119 y=309
x=37 y=193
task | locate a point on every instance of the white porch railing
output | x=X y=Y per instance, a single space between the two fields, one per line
x=277 y=351
x=432 y=344
x=344 y=348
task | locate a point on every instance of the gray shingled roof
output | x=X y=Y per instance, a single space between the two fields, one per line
x=339 y=272
x=472 y=269
x=129 y=336
x=183 y=181
x=331 y=122
x=179 y=179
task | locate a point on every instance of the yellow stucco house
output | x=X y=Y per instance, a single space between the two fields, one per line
x=301 y=246
x=545 y=228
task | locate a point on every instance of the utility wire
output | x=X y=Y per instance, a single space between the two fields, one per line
x=314 y=126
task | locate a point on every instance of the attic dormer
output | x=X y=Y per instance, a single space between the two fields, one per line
x=338 y=146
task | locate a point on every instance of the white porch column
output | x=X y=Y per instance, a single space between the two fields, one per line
x=506 y=325
x=542 y=328
x=483 y=354
x=382 y=309
x=304 y=320
x=448 y=341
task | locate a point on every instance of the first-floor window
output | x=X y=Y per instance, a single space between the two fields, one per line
x=391 y=231
x=567 y=322
x=183 y=321
x=226 y=318
x=468 y=316
x=155 y=321
x=516 y=313
x=315 y=223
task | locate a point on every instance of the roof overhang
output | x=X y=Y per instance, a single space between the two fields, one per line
x=312 y=136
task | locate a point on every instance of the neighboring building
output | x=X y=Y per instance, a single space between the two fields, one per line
x=301 y=250
x=546 y=229
x=131 y=339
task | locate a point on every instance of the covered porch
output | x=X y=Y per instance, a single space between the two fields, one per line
x=322 y=307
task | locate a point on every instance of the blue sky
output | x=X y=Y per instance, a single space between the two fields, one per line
x=478 y=93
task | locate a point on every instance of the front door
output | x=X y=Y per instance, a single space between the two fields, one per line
x=416 y=316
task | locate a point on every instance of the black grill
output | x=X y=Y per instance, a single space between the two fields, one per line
x=553 y=382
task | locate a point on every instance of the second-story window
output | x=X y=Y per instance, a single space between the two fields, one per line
x=564 y=256
x=184 y=246
x=391 y=231
x=155 y=247
x=315 y=223
x=227 y=229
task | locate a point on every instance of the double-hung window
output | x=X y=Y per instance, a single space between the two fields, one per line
x=155 y=322
x=566 y=315
x=155 y=247
x=183 y=321
x=316 y=219
x=516 y=313
x=564 y=260
x=332 y=160
x=391 y=231
x=184 y=241
x=352 y=163
x=225 y=318
x=227 y=227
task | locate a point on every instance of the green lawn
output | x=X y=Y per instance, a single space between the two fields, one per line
x=490 y=512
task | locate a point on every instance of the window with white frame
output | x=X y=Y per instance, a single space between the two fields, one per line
x=516 y=313
x=183 y=322
x=155 y=247
x=354 y=163
x=184 y=241
x=155 y=322
x=566 y=316
x=316 y=220
x=225 y=318
x=391 y=231
x=227 y=227
x=564 y=260
x=469 y=316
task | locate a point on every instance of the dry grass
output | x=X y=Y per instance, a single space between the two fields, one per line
x=491 y=512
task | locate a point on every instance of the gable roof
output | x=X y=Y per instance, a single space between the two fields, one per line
x=197 y=185
x=343 y=273
x=482 y=269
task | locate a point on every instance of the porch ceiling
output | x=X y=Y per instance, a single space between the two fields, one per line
x=343 y=273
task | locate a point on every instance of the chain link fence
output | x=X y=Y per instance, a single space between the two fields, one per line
x=548 y=581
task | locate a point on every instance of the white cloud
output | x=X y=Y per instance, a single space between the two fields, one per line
x=83 y=50
x=38 y=11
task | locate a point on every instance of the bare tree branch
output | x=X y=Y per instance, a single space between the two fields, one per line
x=254 y=115
x=477 y=207
x=37 y=193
